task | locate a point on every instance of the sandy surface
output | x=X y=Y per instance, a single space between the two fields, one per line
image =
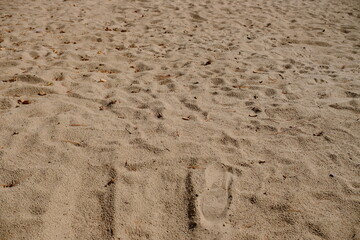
x=179 y=119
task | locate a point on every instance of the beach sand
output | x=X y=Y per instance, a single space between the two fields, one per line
x=181 y=119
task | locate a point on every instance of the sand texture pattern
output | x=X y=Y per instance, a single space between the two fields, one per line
x=182 y=119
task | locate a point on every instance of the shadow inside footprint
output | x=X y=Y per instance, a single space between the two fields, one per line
x=216 y=199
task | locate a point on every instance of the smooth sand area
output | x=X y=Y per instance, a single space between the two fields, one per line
x=180 y=119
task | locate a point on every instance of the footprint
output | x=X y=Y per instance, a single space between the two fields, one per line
x=216 y=199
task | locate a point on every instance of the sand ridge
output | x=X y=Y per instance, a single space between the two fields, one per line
x=150 y=119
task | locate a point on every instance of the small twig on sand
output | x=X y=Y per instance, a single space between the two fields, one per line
x=72 y=142
x=12 y=184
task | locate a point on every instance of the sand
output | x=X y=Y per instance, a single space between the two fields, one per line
x=179 y=119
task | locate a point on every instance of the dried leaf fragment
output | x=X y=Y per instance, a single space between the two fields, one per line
x=112 y=102
x=112 y=181
x=208 y=62
x=21 y=101
x=13 y=79
x=42 y=93
x=10 y=185
x=240 y=86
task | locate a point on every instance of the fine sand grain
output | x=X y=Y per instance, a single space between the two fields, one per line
x=181 y=119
